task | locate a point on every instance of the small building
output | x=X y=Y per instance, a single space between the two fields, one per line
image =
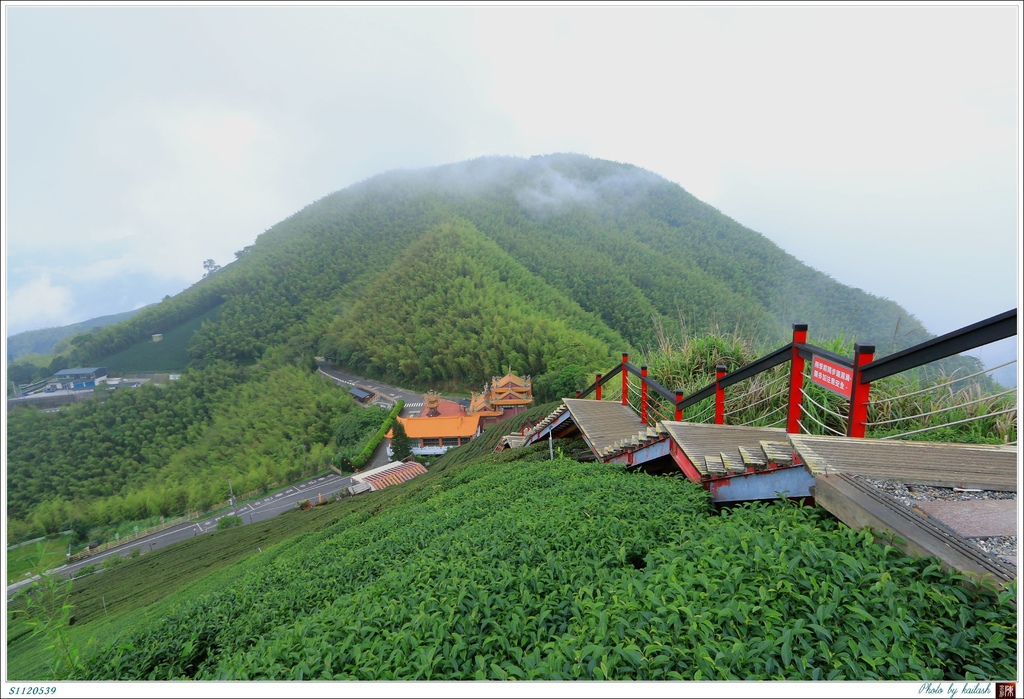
x=77 y=379
x=158 y=337
x=382 y=476
x=360 y=395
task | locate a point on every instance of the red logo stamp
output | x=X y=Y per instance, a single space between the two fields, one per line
x=1006 y=690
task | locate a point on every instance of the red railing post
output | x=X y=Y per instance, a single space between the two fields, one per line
x=719 y=395
x=625 y=380
x=577 y=394
x=796 y=379
x=598 y=387
x=862 y=354
x=643 y=394
x=679 y=406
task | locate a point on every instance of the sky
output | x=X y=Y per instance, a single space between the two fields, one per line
x=877 y=143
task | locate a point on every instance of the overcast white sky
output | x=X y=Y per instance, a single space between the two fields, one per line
x=879 y=144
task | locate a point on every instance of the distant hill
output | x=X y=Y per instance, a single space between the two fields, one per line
x=46 y=340
x=454 y=273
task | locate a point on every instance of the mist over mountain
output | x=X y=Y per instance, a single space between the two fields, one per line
x=455 y=272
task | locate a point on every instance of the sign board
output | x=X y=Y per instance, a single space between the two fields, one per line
x=835 y=377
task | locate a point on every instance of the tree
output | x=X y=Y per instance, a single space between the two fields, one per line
x=399 y=441
x=210 y=266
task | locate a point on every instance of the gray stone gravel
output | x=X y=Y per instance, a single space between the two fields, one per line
x=1001 y=547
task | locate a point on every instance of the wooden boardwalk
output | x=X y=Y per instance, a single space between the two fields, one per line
x=924 y=463
x=603 y=424
x=701 y=441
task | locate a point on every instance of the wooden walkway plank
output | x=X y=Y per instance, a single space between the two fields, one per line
x=604 y=424
x=923 y=463
x=778 y=453
x=732 y=464
x=753 y=459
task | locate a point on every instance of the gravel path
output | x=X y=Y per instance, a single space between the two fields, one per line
x=1002 y=547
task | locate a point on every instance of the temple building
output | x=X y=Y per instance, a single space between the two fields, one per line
x=502 y=397
x=443 y=424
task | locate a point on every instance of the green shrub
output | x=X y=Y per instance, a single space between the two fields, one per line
x=367 y=453
x=229 y=521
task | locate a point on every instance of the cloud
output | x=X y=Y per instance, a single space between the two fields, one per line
x=552 y=190
x=142 y=141
x=38 y=304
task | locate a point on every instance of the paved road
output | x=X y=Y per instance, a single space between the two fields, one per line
x=413 y=401
x=269 y=506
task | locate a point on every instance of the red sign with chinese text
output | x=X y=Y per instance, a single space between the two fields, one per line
x=835 y=377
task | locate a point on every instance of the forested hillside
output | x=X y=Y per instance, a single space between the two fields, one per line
x=165 y=450
x=467 y=304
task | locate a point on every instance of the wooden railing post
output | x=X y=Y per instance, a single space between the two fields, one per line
x=679 y=406
x=598 y=387
x=719 y=395
x=625 y=380
x=643 y=394
x=862 y=354
x=796 y=379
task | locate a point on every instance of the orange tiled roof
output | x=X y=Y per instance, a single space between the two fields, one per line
x=445 y=408
x=426 y=427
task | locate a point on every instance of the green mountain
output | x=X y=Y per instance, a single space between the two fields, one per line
x=438 y=278
x=600 y=252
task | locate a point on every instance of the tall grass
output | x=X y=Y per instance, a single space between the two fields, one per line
x=925 y=404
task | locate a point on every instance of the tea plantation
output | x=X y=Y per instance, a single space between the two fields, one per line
x=512 y=566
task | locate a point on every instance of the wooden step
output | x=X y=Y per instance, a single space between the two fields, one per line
x=732 y=464
x=778 y=453
x=714 y=465
x=753 y=460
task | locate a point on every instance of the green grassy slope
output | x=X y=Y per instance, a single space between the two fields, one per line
x=513 y=566
x=170 y=354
